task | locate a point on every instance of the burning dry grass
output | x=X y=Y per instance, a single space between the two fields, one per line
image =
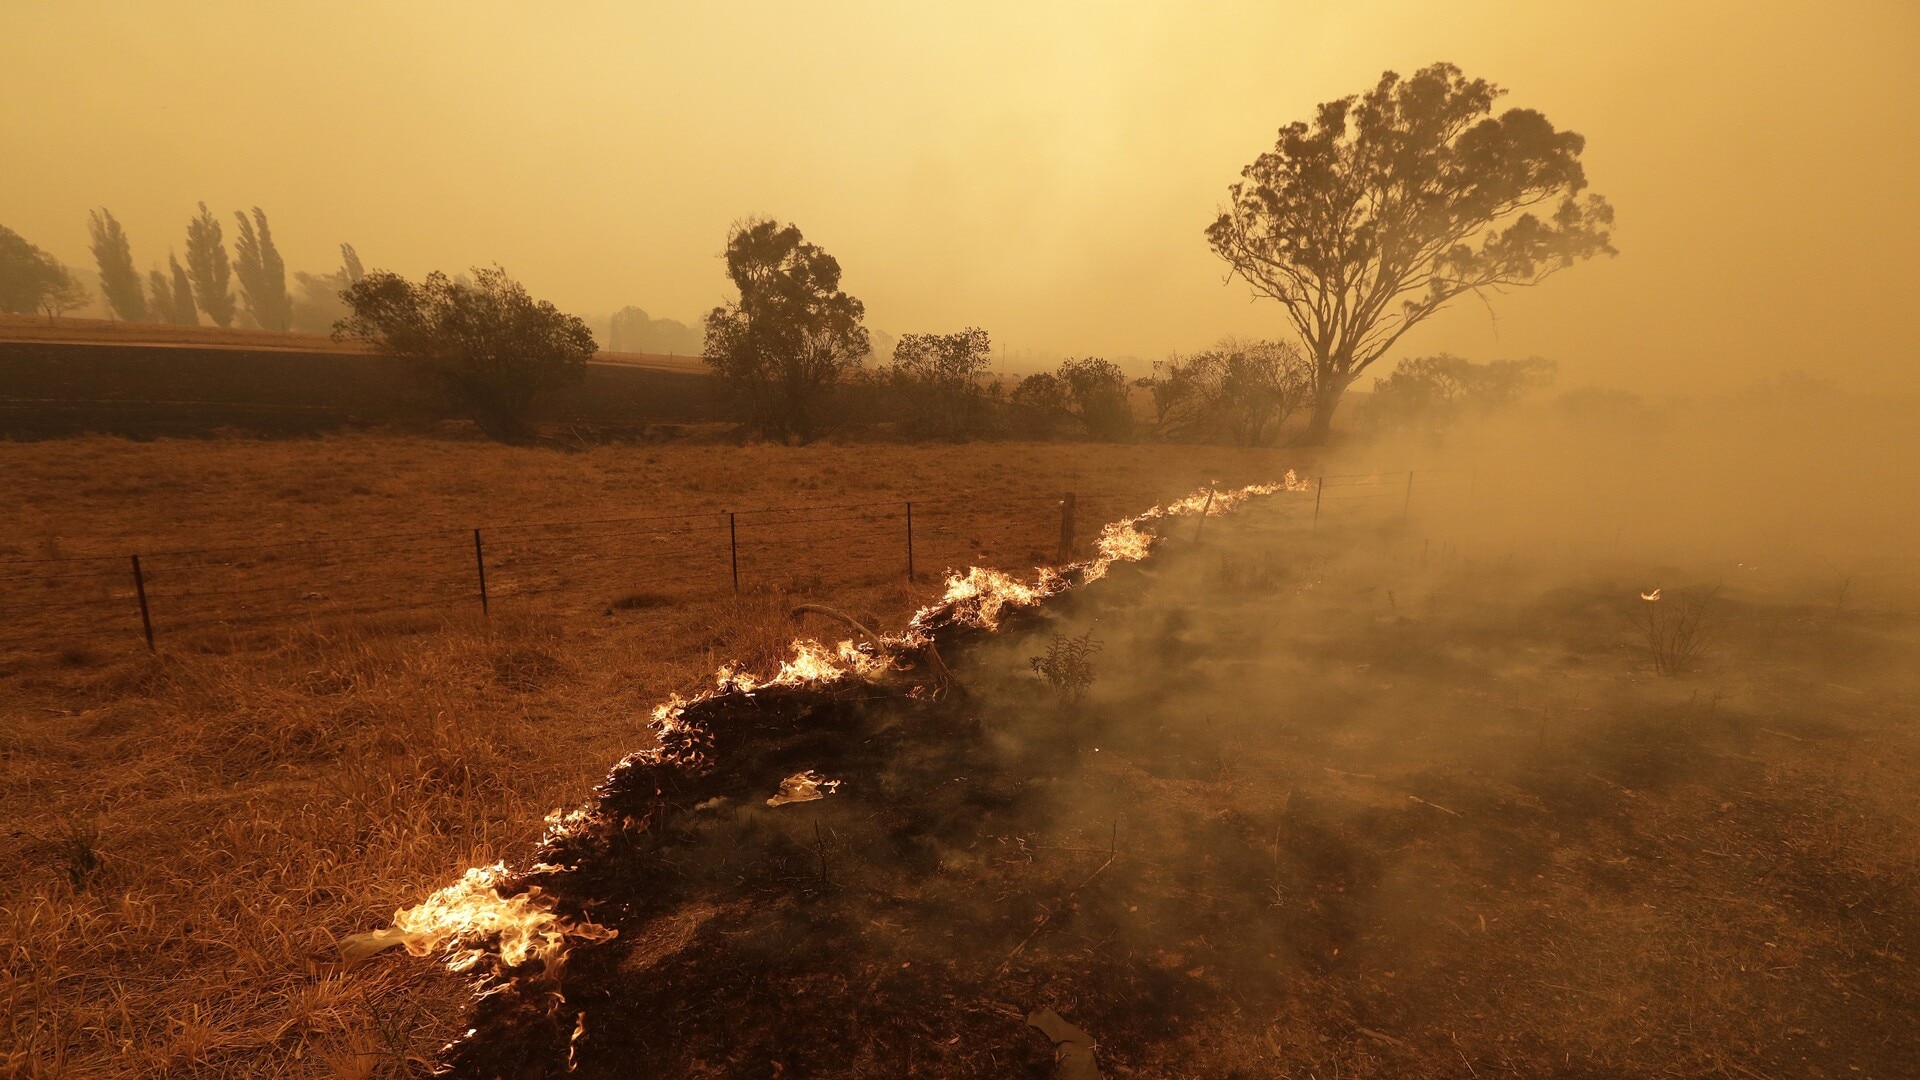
x=186 y=835
x=1333 y=828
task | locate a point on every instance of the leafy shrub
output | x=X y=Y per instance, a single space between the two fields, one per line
x=1067 y=666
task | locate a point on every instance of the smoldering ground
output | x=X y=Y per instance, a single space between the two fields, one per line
x=1378 y=796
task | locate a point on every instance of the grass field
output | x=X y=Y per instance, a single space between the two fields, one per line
x=187 y=834
x=1378 y=803
x=71 y=330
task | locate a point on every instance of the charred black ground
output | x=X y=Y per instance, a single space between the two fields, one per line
x=1320 y=814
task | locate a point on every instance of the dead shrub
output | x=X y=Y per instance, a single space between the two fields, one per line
x=1676 y=626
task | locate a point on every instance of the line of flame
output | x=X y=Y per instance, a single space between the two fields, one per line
x=470 y=920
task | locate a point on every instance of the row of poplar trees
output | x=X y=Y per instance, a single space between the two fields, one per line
x=181 y=294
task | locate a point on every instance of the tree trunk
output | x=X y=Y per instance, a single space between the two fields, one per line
x=1326 y=399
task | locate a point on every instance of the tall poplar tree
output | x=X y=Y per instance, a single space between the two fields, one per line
x=160 y=294
x=184 y=313
x=208 y=267
x=113 y=254
x=262 y=273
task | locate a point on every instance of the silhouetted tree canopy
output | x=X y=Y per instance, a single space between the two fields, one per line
x=350 y=264
x=1090 y=390
x=491 y=348
x=26 y=273
x=209 y=268
x=1238 y=391
x=160 y=294
x=633 y=330
x=113 y=255
x=791 y=336
x=262 y=273
x=935 y=386
x=184 y=313
x=1390 y=204
x=321 y=302
x=1429 y=394
x=64 y=291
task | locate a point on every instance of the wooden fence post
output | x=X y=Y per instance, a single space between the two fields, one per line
x=140 y=590
x=1319 y=488
x=1066 y=528
x=1406 y=507
x=480 y=564
x=733 y=548
x=909 y=541
x=1204 y=511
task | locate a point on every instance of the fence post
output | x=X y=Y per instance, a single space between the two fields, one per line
x=140 y=590
x=1406 y=507
x=733 y=549
x=1066 y=527
x=1319 y=486
x=1204 y=511
x=909 y=541
x=480 y=564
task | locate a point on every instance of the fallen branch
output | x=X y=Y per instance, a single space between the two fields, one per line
x=1044 y=919
x=835 y=613
x=1435 y=805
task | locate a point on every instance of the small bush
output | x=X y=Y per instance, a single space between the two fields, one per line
x=1067 y=666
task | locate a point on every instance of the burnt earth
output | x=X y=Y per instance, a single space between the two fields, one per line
x=1307 y=828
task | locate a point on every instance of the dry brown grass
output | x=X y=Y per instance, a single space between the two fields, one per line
x=187 y=834
x=71 y=329
x=112 y=332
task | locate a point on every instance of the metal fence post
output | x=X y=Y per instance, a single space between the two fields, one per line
x=140 y=590
x=480 y=564
x=1066 y=527
x=909 y=541
x=1319 y=488
x=733 y=548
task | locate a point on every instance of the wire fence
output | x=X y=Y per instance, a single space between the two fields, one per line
x=151 y=599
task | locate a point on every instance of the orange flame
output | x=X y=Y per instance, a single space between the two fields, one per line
x=470 y=921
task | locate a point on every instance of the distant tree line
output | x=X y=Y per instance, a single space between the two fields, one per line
x=32 y=280
x=632 y=330
x=793 y=357
x=1361 y=224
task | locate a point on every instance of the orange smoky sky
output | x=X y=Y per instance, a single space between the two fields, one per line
x=1043 y=170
